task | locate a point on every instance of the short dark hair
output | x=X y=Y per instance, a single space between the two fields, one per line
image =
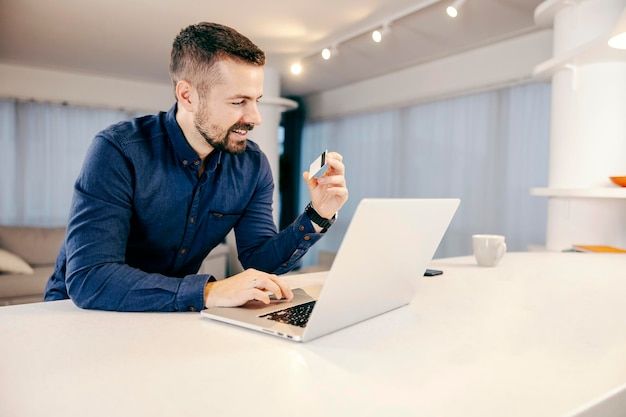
x=197 y=47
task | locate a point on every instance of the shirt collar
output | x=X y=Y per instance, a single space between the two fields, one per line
x=184 y=152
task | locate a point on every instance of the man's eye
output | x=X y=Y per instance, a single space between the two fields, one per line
x=238 y=103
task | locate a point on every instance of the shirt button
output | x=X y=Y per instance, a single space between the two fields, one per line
x=183 y=251
x=185 y=162
x=196 y=163
x=307 y=237
x=192 y=308
x=301 y=228
x=193 y=219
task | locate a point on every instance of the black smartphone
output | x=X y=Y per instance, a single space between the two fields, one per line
x=432 y=272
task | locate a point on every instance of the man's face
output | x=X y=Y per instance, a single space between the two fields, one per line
x=229 y=109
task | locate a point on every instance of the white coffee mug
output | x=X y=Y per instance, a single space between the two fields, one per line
x=488 y=249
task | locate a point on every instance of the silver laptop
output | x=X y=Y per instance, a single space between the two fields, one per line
x=385 y=250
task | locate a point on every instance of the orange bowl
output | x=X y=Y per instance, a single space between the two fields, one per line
x=621 y=181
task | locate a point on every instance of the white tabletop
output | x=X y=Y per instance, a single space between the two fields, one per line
x=539 y=335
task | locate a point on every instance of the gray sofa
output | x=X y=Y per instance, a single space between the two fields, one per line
x=27 y=256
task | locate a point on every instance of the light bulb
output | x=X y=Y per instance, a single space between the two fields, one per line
x=377 y=36
x=326 y=54
x=453 y=9
x=296 y=68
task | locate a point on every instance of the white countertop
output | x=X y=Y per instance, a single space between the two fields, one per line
x=539 y=335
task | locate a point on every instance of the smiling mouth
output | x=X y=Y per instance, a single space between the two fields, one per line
x=242 y=129
x=240 y=132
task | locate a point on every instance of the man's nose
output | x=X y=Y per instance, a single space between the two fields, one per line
x=253 y=116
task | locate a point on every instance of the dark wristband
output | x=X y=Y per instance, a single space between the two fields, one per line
x=315 y=217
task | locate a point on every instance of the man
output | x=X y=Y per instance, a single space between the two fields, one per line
x=156 y=194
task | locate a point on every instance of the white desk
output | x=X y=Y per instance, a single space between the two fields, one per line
x=539 y=335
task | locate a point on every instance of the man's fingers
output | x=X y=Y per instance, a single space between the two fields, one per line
x=334 y=155
x=259 y=295
x=337 y=166
x=285 y=289
x=246 y=286
x=276 y=286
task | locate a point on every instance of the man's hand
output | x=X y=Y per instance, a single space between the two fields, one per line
x=328 y=193
x=243 y=287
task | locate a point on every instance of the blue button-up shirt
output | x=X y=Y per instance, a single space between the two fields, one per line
x=142 y=220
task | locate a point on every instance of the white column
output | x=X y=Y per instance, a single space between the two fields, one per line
x=266 y=135
x=588 y=132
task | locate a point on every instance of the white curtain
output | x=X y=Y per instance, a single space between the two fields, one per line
x=488 y=149
x=42 y=146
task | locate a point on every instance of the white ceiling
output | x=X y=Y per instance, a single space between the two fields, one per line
x=132 y=38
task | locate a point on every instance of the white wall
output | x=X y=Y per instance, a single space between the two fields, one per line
x=80 y=89
x=502 y=64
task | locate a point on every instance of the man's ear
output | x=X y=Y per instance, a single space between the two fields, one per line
x=184 y=95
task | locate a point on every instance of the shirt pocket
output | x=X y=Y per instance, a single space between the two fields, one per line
x=219 y=224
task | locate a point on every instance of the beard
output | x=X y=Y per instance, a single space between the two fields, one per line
x=219 y=139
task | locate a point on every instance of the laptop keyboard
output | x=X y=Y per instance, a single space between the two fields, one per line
x=296 y=315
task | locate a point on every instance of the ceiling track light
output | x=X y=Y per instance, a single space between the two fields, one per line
x=453 y=9
x=379 y=34
x=328 y=53
x=296 y=68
